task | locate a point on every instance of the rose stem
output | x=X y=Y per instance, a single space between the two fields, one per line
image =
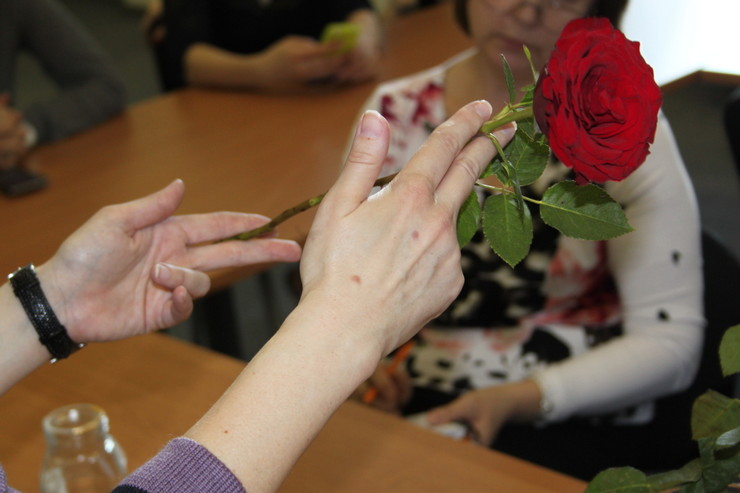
x=515 y=116
x=296 y=209
x=487 y=128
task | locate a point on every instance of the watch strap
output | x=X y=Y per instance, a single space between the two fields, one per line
x=51 y=332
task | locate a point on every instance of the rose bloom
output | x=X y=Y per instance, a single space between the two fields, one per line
x=597 y=102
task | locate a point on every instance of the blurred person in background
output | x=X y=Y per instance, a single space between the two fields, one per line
x=580 y=337
x=267 y=45
x=90 y=89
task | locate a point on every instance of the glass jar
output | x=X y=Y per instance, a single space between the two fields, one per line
x=81 y=455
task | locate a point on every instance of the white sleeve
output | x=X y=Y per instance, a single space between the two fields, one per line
x=658 y=272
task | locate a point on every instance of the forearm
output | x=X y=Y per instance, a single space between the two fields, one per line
x=623 y=372
x=20 y=349
x=89 y=90
x=210 y=66
x=77 y=108
x=264 y=422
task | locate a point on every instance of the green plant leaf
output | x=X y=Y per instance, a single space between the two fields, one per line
x=528 y=155
x=729 y=351
x=528 y=96
x=714 y=414
x=719 y=468
x=620 y=480
x=509 y=77
x=468 y=219
x=729 y=438
x=585 y=212
x=508 y=227
x=689 y=473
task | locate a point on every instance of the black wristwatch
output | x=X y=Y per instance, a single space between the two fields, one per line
x=52 y=333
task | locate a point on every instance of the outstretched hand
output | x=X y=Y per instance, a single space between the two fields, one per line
x=134 y=268
x=486 y=410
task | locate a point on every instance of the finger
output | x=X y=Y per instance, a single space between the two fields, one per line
x=170 y=276
x=450 y=412
x=436 y=155
x=181 y=307
x=368 y=151
x=468 y=166
x=214 y=226
x=238 y=253
x=149 y=210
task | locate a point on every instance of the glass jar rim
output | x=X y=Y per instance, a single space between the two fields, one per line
x=75 y=420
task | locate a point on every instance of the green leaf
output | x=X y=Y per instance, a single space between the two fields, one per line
x=729 y=438
x=714 y=414
x=528 y=96
x=507 y=227
x=468 y=219
x=729 y=351
x=528 y=129
x=584 y=212
x=528 y=54
x=720 y=468
x=621 y=480
x=528 y=155
x=509 y=77
x=689 y=473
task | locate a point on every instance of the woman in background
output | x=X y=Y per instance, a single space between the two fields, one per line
x=267 y=45
x=89 y=87
x=579 y=333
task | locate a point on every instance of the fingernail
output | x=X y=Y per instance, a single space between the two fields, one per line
x=162 y=272
x=371 y=124
x=483 y=108
x=506 y=132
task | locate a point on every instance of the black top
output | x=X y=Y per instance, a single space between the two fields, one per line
x=241 y=26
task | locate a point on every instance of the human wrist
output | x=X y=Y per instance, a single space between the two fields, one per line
x=61 y=299
x=256 y=71
x=526 y=398
x=30 y=294
x=20 y=351
x=352 y=338
x=546 y=406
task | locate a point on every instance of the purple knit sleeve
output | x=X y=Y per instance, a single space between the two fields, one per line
x=183 y=466
x=4 y=488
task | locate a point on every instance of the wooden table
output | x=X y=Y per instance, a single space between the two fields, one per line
x=234 y=150
x=154 y=387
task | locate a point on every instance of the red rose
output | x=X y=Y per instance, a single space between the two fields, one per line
x=597 y=102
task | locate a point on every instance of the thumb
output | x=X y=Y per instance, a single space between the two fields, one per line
x=365 y=160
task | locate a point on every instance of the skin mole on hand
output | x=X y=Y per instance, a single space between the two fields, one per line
x=415 y=235
x=356 y=279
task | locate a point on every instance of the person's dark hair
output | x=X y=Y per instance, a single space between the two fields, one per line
x=611 y=9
